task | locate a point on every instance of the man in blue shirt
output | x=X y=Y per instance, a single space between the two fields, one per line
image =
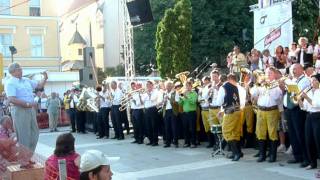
x=20 y=95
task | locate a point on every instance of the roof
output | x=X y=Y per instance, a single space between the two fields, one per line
x=77 y=39
x=72 y=65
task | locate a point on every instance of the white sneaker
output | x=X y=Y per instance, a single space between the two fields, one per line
x=281 y=148
x=289 y=150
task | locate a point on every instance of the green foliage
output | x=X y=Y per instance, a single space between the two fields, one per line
x=115 y=71
x=101 y=75
x=305 y=13
x=173 y=40
x=216 y=27
x=144 y=38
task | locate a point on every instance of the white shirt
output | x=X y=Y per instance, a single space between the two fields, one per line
x=74 y=100
x=315 y=97
x=150 y=99
x=136 y=101
x=267 y=97
x=214 y=95
x=204 y=96
x=303 y=82
x=117 y=95
x=105 y=102
x=242 y=95
x=267 y=60
x=43 y=103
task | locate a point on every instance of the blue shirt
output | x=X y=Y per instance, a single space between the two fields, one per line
x=22 y=88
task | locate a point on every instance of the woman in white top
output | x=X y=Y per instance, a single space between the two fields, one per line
x=43 y=102
x=310 y=101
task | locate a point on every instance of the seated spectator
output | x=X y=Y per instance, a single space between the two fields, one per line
x=64 y=150
x=9 y=150
x=95 y=165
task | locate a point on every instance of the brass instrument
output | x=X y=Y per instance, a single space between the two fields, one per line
x=183 y=76
x=296 y=97
x=128 y=96
x=196 y=84
x=244 y=72
x=87 y=100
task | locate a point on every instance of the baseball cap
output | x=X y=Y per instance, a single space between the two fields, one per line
x=92 y=159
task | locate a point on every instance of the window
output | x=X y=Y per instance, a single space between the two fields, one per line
x=79 y=52
x=36 y=46
x=5 y=42
x=4 y=7
x=34 y=8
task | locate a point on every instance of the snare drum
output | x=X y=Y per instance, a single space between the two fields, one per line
x=216 y=129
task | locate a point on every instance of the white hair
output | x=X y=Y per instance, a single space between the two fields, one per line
x=13 y=66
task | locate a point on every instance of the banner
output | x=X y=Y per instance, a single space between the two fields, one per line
x=273 y=25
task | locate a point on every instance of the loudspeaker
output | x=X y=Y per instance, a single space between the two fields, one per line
x=86 y=76
x=88 y=54
x=139 y=12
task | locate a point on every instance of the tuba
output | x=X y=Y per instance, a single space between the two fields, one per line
x=128 y=96
x=87 y=100
x=183 y=76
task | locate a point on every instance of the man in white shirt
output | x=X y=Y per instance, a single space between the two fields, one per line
x=229 y=99
x=296 y=118
x=137 y=114
x=104 y=110
x=150 y=100
x=310 y=101
x=203 y=98
x=268 y=115
x=117 y=95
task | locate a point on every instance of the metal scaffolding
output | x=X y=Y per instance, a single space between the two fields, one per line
x=128 y=50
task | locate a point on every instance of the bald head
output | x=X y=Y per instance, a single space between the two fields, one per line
x=297 y=70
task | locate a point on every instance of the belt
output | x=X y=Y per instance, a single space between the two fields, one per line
x=151 y=107
x=204 y=108
x=231 y=110
x=263 y=108
x=214 y=107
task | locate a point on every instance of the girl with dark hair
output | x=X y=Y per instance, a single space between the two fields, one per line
x=64 y=150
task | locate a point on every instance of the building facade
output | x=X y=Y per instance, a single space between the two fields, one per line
x=32 y=28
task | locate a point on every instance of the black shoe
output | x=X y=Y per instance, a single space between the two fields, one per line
x=72 y=131
x=236 y=157
x=166 y=146
x=115 y=137
x=121 y=138
x=134 y=142
x=107 y=137
x=99 y=137
x=257 y=155
x=186 y=145
x=230 y=156
x=262 y=151
x=140 y=142
x=273 y=151
x=293 y=161
x=176 y=145
x=84 y=132
x=304 y=164
x=155 y=144
x=149 y=144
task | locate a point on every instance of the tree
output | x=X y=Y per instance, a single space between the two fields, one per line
x=115 y=71
x=166 y=43
x=173 y=43
x=182 y=54
x=145 y=38
x=305 y=16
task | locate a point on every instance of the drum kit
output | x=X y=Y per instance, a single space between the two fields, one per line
x=216 y=129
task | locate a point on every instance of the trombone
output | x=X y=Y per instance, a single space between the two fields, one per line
x=125 y=100
x=296 y=97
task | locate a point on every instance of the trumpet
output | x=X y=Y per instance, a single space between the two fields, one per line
x=295 y=98
x=128 y=97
